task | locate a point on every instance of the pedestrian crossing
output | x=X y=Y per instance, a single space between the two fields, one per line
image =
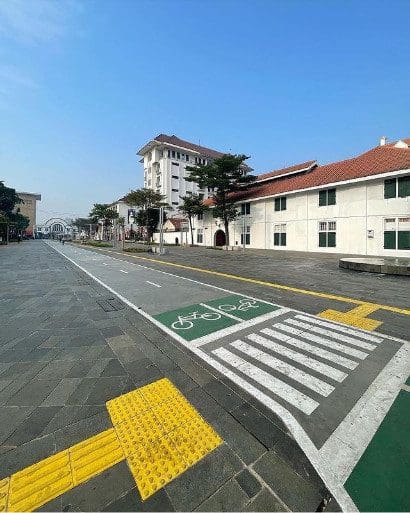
x=299 y=359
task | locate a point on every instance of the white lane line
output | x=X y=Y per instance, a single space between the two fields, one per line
x=289 y=394
x=332 y=344
x=343 y=329
x=198 y=342
x=406 y=388
x=309 y=381
x=300 y=344
x=307 y=361
x=122 y=271
x=104 y=263
x=220 y=312
x=154 y=284
x=333 y=334
x=345 y=446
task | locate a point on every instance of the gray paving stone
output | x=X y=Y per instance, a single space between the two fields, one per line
x=113 y=368
x=33 y=393
x=112 y=331
x=265 y=501
x=184 y=492
x=11 y=417
x=295 y=492
x=106 y=389
x=81 y=393
x=80 y=430
x=80 y=369
x=32 y=426
x=248 y=482
x=131 y=501
x=5 y=383
x=68 y=415
x=55 y=370
x=101 y=490
x=230 y=497
x=223 y=395
x=62 y=392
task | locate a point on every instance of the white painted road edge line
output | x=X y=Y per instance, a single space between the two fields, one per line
x=154 y=284
x=122 y=271
x=348 y=442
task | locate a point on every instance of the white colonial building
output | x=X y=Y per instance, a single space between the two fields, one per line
x=358 y=206
x=165 y=159
x=128 y=213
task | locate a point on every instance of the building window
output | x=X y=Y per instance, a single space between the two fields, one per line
x=200 y=236
x=149 y=156
x=279 y=235
x=397 y=187
x=187 y=158
x=173 y=154
x=246 y=236
x=397 y=233
x=200 y=216
x=327 y=234
x=327 y=197
x=211 y=189
x=178 y=155
x=175 y=202
x=175 y=164
x=176 y=177
x=175 y=190
x=201 y=195
x=245 y=209
x=169 y=153
x=280 y=204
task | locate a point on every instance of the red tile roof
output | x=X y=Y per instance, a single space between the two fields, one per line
x=176 y=141
x=379 y=160
x=286 y=170
x=176 y=221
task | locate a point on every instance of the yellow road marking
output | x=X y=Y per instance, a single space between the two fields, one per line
x=355 y=317
x=156 y=430
x=325 y=295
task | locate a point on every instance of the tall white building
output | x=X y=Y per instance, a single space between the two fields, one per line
x=165 y=159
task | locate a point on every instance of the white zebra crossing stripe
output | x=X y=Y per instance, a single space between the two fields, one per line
x=315 y=384
x=307 y=361
x=343 y=329
x=318 y=351
x=332 y=344
x=291 y=395
x=333 y=334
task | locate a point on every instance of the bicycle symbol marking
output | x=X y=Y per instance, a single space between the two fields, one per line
x=185 y=322
x=244 y=305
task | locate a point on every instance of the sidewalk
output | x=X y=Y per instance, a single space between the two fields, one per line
x=67 y=347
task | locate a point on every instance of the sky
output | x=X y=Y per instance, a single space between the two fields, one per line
x=85 y=83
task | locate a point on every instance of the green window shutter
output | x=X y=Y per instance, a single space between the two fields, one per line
x=322 y=239
x=403 y=241
x=242 y=209
x=283 y=241
x=276 y=239
x=277 y=204
x=331 y=197
x=404 y=186
x=390 y=188
x=331 y=239
x=283 y=203
x=322 y=198
x=390 y=240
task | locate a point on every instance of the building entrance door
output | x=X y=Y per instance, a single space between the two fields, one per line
x=220 y=238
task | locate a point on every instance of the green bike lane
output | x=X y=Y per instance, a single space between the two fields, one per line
x=198 y=314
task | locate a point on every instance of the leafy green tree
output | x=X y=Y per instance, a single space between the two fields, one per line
x=148 y=203
x=10 y=216
x=8 y=199
x=226 y=175
x=104 y=214
x=192 y=206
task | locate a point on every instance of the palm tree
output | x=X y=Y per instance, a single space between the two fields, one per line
x=104 y=214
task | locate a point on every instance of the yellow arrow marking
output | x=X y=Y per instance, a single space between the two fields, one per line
x=156 y=430
x=355 y=317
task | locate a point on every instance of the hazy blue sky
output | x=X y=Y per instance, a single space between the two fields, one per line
x=84 y=84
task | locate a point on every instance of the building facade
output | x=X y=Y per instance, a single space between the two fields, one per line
x=28 y=208
x=357 y=206
x=165 y=159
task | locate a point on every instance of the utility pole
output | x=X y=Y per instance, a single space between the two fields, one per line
x=161 y=230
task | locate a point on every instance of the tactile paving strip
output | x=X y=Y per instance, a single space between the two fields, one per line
x=155 y=428
x=162 y=441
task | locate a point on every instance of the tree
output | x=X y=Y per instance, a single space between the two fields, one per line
x=192 y=206
x=226 y=175
x=104 y=214
x=8 y=199
x=148 y=202
x=10 y=216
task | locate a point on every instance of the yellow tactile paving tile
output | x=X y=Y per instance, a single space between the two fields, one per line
x=162 y=442
x=155 y=428
x=356 y=317
x=4 y=493
x=40 y=483
x=95 y=455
